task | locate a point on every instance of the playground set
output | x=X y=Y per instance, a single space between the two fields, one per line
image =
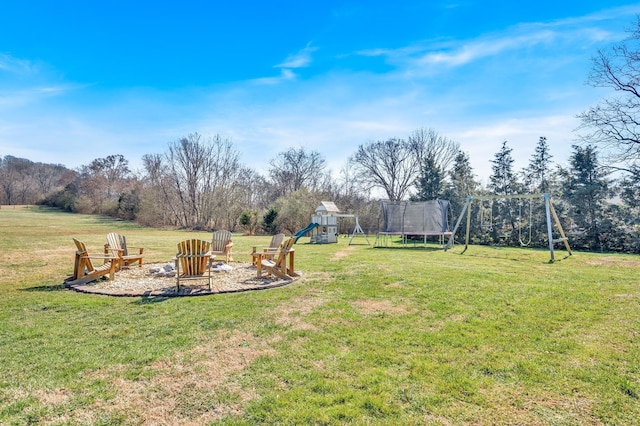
x=323 y=228
x=415 y=221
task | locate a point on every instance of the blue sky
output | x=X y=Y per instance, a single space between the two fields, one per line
x=83 y=80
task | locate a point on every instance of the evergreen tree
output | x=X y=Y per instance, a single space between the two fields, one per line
x=503 y=182
x=586 y=191
x=629 y=213
x=630 y=188
x=269 y=224
x=461 y=182
x=537 y=175
x=430 y=182
x=537 y=180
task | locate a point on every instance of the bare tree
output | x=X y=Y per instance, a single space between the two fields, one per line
x=387 y=165
x=50 y=177
x=431 y=147
x=103 y=181
x=8 y=179
x=199 y=170
x=295 y=209
x=159 y=206
x=614 y=123
x=295 y=169
x=196 y=182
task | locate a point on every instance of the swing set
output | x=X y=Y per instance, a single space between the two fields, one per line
x=486 y=220
x=524 y=236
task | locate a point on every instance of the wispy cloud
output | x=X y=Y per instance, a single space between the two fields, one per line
x=519 y=37
x=14 y=65
x=31 y=95
x=300 y=59
x=482 y=48
x=285 y=75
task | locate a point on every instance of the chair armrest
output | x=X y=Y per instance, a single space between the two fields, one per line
x=99 y=256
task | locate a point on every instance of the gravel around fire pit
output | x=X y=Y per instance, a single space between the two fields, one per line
x=136 y=281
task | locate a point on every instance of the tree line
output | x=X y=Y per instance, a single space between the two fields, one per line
x=199 y=182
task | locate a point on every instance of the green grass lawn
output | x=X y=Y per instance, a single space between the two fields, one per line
x=366 y=336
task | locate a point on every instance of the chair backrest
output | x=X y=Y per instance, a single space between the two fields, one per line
x=276 y=241
x=118 y=242
x=220 y=240
x=285 y=248
x=80 y=245
x=82 y=257
x=191 y=255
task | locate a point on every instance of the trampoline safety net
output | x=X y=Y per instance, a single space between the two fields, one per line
x=415 y=217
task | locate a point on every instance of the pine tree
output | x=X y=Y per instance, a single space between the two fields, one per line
x=430 y=182
x=503 y=179
x=503 y=182
x=586 y=191
x=537 y=176
x=269 y=221
x=537 y=180
x=461 y=182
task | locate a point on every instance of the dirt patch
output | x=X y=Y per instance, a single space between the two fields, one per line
x=52 y=397
x=190 y=388
x=341 y=254
x=614 y=262
x=373 y=306
x=293 y=313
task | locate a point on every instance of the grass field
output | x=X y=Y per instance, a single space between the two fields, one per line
x=366 y=336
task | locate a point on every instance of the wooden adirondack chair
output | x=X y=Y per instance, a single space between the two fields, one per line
x=221 y=244
x=117 y=245
x=282 y=264
x=193 y=261
x=83 y=269
x=267 y=252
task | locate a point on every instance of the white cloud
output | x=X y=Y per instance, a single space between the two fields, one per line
x=520 y=37
x=285 y=75
x=14 y=65
x=484 y=47
x=12 y=99
x=301 y=59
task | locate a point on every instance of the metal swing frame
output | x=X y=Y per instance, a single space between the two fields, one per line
x=550 y=213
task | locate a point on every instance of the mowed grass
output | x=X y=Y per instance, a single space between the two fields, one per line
x=366 y=336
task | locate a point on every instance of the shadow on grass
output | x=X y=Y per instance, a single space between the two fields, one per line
x=53 y=287
x=527 y=254
x=410 y=248
x=147 y=300
x=117 y=222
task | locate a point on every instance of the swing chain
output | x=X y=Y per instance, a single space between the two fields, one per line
x=523 y=243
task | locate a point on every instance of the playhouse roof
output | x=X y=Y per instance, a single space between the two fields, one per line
x=327 y=207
